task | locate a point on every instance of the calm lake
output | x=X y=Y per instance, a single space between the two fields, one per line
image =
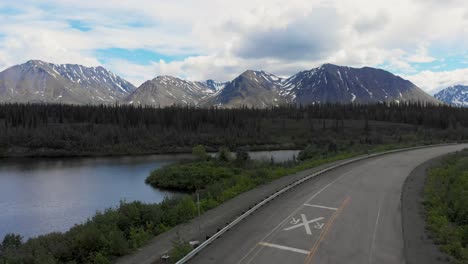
x=39 y=196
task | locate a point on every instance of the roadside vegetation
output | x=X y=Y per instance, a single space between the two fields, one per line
x=109 y=234
x=446 y=203
x=220 y=178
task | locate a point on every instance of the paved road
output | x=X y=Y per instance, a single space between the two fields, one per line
x=212 y=220
x=349 y=215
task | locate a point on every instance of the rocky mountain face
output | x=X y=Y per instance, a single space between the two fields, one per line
x=37 y=81
x=41 y=82
x=251 y=88
x=327 y=83
x=338 y=84
x=165 y=91
x=454 y=95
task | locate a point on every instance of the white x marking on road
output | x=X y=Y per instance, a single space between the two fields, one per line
x=304 y=223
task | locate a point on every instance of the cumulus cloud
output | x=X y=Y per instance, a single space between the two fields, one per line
x=432 y=82
x=421 y=55
x=372 y=23
x=221 y=39
x=300 y=38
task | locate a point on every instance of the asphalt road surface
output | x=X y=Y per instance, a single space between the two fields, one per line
x=348 y=215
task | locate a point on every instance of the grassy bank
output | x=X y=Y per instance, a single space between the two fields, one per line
x=224 y=177
x=446 y=203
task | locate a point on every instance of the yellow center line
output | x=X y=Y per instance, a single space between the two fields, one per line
x=325 y=231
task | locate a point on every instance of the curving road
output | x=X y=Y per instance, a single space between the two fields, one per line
x=348 y=215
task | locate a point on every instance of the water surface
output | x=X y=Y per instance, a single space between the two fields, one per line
x=39 y=196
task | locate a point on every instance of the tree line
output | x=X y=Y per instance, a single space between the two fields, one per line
x=56 y=129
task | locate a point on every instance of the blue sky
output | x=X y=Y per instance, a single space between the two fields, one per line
x=79 y=25
x=423 y=41
x=138 y=56
x=439 y=64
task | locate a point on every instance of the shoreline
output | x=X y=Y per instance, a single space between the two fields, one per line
x=50 y=153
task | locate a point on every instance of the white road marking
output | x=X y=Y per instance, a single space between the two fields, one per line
x=319 y=225
x=305 y=223
x=320 y=206
x=289 y=216
x=284 y=248
x=374 y=235
x=294 y=221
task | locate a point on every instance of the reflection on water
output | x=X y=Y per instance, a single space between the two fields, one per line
x=39 y=196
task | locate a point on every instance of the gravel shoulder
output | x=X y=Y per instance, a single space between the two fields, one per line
x=419 y=247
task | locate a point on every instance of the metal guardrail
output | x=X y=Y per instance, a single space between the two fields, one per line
x=287 y=188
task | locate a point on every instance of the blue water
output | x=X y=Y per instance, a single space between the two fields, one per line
x=39 y=196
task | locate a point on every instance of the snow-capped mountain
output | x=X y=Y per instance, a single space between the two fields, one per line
x=251 y=88
x=167 y=90
x=38 y=81
x=327 y=83
x=454 y=95
x=332 y=83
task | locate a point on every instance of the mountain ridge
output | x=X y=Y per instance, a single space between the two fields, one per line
x=43 y=82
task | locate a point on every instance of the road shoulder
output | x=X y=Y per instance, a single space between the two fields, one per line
x=418 y=246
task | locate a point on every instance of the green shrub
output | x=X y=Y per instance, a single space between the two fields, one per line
x=179 y=250
x=99 y=258
x=446 y=203
x=138 y=236
x=199 y=152
x=309 y=152
x=11 y=241
x=224 y=155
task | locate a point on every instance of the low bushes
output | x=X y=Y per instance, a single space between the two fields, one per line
x=109 y=234
x=446 y=203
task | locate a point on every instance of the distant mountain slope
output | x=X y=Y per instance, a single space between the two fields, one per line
x=251 y=88
x=37 y=81
x=167 y=90
x=332 y=83
x=42 y=82
x=454 y=95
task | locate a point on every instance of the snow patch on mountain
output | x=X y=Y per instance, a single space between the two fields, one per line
x=455 y=95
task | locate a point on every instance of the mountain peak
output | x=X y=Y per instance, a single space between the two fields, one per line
x=36 y=62
x=329 y=65
x=456 y=95
x=39 y=81
x=165 y=90
x=251 y=72
x=341 y=84
x=166 y=78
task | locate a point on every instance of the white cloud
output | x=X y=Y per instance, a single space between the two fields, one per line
x=433 y=82
x=421 y=55
x=224 y=38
